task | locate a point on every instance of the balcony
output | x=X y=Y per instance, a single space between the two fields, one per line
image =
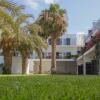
x=91 y=42
x=61 y=56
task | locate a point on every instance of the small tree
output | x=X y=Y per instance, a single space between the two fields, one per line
x=40 y=43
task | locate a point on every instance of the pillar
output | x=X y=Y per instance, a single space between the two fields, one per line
x=99 y=66
x=84 y=65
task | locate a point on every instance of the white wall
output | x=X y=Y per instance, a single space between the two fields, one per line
x=80 y=39
x=96 y=25
x=72 y=38
x=31 y=65
x=16 y=65
x=1 y=59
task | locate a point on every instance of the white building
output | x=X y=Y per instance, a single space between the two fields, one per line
x=67 y=45
x=89 y=61
x=96 y=25
x=80 y=39
x=68 y=48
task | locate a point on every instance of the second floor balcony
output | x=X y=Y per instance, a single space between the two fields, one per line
x=92 y=41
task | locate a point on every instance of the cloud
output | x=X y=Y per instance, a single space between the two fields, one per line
x=49 y=1
x=31 y=3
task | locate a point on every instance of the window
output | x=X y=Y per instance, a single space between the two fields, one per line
x=78 y=52
x=49 y=41
x=68 y=53
x=67 y=41
x=57 y=55
x=59 y=41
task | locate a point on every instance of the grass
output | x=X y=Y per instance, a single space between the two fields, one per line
x=49 y=87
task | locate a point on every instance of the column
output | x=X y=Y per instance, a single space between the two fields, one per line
x=77 y=69
x=84 y=65
x=99 y=66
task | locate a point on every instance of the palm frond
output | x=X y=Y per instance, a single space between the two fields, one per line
x=23 y=18
x=11 y=6
x=7 y=20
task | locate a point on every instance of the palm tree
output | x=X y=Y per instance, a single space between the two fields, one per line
x=9 y=23
x=24 y=48
x=8 y=27
x=39 y=50
x=53 y=23
x=40 y=43
x=29 y=42
x=40 y=54
x=10 y=7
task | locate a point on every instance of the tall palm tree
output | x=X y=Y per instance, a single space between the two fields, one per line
x=9 y=23
x=54 y=24
x=8 y=28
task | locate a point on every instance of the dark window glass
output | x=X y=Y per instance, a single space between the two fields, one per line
x=49 y=41
x=68 y=53
x=78 y=52
x=59 y=41
x=67 y=41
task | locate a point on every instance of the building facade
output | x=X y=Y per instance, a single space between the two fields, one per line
x=67 y=50
x=89 y=61
x=68 y=46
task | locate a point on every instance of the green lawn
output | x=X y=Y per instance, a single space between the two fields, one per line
x=49 y=87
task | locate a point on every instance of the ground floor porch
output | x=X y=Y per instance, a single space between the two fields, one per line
x=87 y=64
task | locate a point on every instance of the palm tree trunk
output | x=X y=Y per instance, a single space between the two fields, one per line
x=24 y=64
x=40 y=66
x=53 y=60
x=7 y=61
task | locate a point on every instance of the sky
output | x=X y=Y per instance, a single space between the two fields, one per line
x=81 y=13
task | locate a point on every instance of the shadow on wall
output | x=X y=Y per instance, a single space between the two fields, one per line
x=66 y=67
x=63 y=67
x=46 y=66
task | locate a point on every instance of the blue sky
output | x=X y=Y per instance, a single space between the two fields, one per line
x=81 y=13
